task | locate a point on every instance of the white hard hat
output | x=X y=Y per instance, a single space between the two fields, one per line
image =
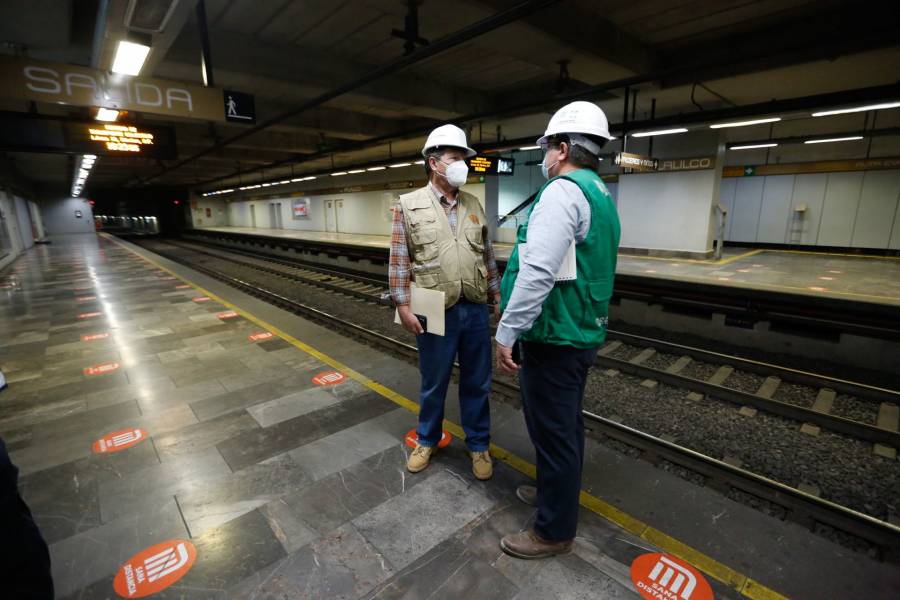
x=448 y=135
x=578 y=117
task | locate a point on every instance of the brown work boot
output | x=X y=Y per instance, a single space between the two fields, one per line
x=527 y=494
x=482 y=465
x=528 y=544
x=419 y=458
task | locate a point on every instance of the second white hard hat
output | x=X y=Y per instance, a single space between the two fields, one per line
x=578 y=117
x=448 y=135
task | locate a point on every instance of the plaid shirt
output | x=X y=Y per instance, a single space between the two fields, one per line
x=399 y=266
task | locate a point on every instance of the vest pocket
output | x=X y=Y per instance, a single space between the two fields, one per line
x=475 y=236
x=427 y=280
x=424 y=241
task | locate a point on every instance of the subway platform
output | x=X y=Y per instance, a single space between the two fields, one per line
x=179 y=437
x=834 y=276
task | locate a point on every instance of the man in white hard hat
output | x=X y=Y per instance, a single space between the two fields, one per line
x=559 y=315
x=439 y=240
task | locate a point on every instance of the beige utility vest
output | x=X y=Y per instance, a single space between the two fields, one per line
x=453 y=264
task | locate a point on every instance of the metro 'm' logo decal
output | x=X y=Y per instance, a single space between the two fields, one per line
x=154 y=569
x=119 y=440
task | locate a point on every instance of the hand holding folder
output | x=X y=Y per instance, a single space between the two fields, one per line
x=428 y=304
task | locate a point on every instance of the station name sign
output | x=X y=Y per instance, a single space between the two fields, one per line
x=56 y=83
x=638 y=162
x=492 y=165
x=29 y=133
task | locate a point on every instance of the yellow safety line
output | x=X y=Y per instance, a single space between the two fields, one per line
x=694 y=261
x=746 y=586
x=844 y=254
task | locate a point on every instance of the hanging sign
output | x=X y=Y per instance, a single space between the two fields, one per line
x=492 y=165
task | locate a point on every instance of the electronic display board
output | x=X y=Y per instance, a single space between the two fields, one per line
x=42 y=134
x=492 y=165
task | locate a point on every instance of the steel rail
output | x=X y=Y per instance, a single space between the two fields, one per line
x=763 y=368
x=802 y=507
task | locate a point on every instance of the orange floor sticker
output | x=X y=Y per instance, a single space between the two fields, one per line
x=660 y=576
x=201 y=299
x=154 y=569
x=89 y=315
x=182 y=287
x=262 y=335
x=119 y=440
x=91 y=337
x=102 y=368
x=329 y=378
x=228 y=314
x=85 y=298
x=412 y=438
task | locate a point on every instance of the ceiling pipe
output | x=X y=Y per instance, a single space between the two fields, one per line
x=770 y=107
x=464 y=35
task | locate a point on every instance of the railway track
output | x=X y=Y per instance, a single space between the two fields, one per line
x=884 y=431
x=799 y=506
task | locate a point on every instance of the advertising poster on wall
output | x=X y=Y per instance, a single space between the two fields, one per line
x=301 y=208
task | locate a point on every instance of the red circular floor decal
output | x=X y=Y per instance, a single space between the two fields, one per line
x=228 y=314
x=412 y=438
x=329 y=378
x=263 y=335
x=102 y=369
x=201 y=299
x=119 y=440
x=89 y=315
x=154 y=569
x=658 y=575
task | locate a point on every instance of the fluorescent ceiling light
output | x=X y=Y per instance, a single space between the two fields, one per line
x=659 y=132
x=752 y=146
x=376 y=168
x=840 y=139
x=744 y=123
x=284 y=181
x=107 y=114
x=90 y=156
x=419 y=162
x=130 y=58
x=310 y=178
x=842 y=111
x=339 y=173
x=523 y=148
x=354 y=171
x=398 y=165
x=296 y=179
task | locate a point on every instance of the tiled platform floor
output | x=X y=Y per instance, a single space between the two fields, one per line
x=292 y=490
x=287 y=489
x=856 y=278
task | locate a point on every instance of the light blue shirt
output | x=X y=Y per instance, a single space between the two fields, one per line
x=563 y=214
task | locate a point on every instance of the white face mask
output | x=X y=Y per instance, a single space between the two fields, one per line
x=545 y=170
x=457 y=173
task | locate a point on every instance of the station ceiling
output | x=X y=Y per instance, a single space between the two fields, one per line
x=687 y=55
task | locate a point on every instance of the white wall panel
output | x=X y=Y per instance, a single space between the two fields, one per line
x=667 y=211
x=839 y=214
x=895 y=232
x=877 y=208
x=747 y=202
x=809 y=189
x=775 y=212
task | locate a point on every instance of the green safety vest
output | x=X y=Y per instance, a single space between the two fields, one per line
x=576 y=312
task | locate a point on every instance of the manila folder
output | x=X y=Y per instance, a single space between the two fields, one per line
x=429 y=304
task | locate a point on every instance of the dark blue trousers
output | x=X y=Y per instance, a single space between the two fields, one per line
x=467 y=339
x=552 y=379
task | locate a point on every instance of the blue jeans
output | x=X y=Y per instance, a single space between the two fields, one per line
x=467 y=334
